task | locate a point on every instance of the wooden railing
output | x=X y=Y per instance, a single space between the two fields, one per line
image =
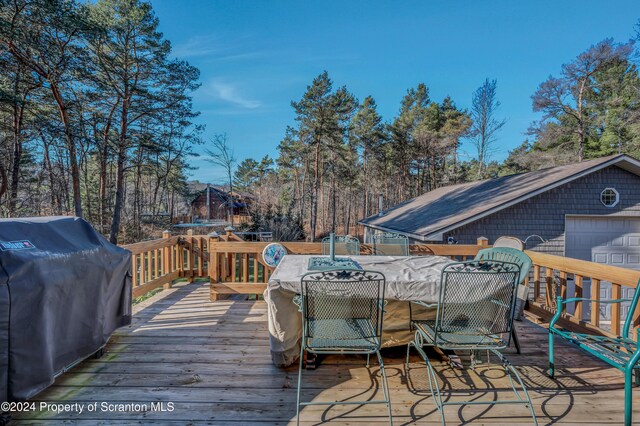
x=157 y=263
x=234 y=266
x=551 y=275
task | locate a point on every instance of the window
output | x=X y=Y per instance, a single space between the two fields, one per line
x=609 y=197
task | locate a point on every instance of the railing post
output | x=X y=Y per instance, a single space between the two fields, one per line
x=230 y=261
x=214 y=259
x=165 y=257
x=483 y=242
x=190 y=256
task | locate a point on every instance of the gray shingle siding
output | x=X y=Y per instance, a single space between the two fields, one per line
x=545 y=213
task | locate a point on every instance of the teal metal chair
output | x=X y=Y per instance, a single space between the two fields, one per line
x=342 y=312
x=344 y=245
x=620 y=352
x=520 y=258
x=474 y=312
x=390 y=244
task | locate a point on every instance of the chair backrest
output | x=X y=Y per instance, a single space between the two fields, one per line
x=344 y=244
x=390 y=244
x=341 y=298
x=477 y=301
x=511 y=242
x=508 y=254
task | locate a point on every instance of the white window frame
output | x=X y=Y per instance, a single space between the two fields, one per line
x=617 y=197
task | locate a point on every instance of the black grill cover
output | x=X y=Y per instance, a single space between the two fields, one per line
x=63 y=290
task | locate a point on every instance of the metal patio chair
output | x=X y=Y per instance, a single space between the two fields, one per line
x=342 y=313
x=511 y=242
x=390 y=244
x=344 y=245
x=520 y=258
x=474 y=312
x=621 y=352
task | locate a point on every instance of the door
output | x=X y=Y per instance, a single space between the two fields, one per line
x=608 y=240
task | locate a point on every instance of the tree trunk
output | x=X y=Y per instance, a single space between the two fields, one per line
x=314 y=194
x=71 y=147
x=118 y=204
x=120 y=163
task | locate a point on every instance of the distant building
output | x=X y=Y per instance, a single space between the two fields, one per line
x=588 y=210
x=214 y=204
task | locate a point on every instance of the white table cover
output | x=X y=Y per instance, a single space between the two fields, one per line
x=408 y=278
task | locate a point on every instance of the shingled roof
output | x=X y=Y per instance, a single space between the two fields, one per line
x=429 y=215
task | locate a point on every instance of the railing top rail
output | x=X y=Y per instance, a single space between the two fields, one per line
x=145 y=246
x=316 y=248
x=623 y=276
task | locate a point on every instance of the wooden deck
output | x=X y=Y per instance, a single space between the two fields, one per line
x=209 y=362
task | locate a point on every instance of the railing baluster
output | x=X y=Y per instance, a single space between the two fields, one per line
x=536 y=283
x=245 y=268
x=149 y=266
x=563 y=288
x=578 y=291
x=616 y=293
x=595 y=306
x=234 y=266
x=201 y=256
x=134 y=271
x=157 y=256
x=549 y=287
x=255 y=267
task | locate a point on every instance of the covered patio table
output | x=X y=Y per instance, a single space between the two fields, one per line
x=409 y=278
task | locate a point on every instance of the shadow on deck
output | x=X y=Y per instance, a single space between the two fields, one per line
x=209 y=362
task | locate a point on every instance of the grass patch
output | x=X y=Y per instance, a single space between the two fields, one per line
x=146 y=296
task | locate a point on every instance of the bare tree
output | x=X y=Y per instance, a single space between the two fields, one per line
x=567 y=96
x=221 y=154
x=484 y=106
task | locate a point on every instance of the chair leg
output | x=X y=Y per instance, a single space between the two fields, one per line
x=299 y=383
x=551 y=362
x=628 y=395
x=385 y=386
x=516 y=341
x=511 y=372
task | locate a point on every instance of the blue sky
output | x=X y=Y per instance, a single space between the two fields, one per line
x=256 y=56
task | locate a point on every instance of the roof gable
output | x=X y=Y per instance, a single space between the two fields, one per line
x=429 y=215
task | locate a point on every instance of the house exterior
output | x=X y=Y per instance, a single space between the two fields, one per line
x=588 y=210
x=213 y=203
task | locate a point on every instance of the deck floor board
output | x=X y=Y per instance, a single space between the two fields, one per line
x=212 y=361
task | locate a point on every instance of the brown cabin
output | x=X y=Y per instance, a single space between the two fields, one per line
x=218 y=206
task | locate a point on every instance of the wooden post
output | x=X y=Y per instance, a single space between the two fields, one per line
x=536 y=283
x=214 y=260
x=200 y=255
x=180 y=258
x=549 y=288
x=190 y=263
x=578 y=293
x=595 y=306
x=165 y=257
x=563 y=289
x=616 y=293
x=134 y=271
